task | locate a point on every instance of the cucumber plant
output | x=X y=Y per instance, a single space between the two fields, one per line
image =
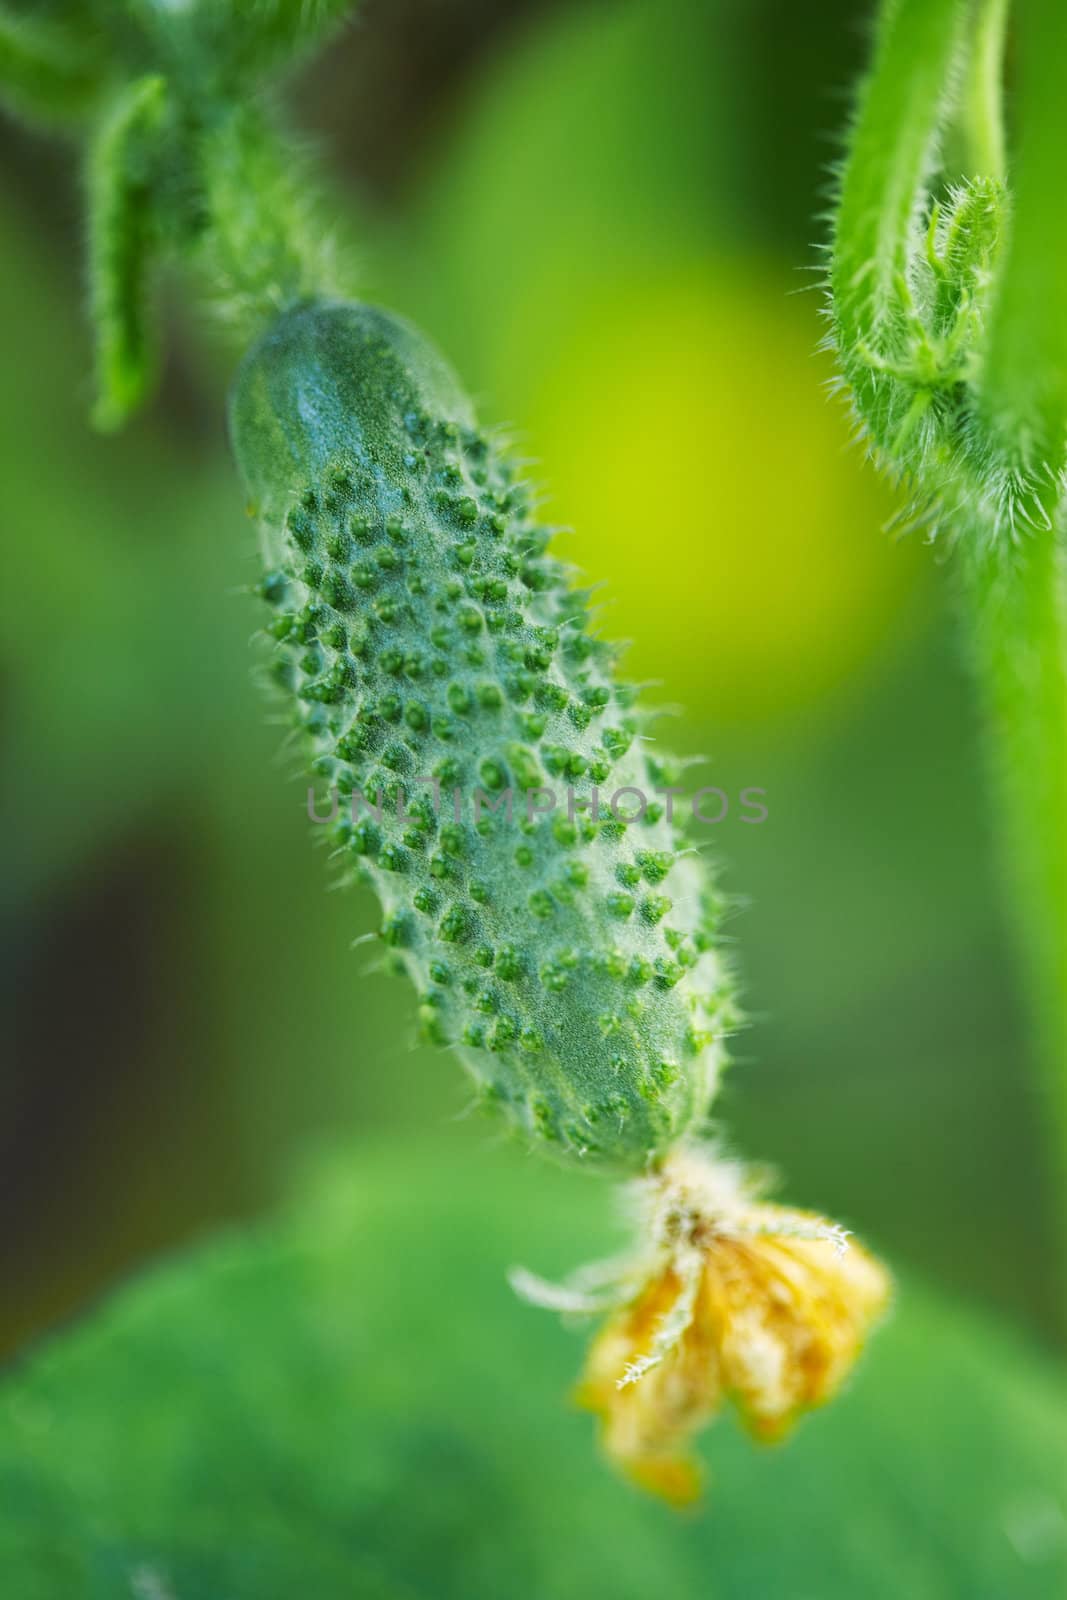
x=433 y=652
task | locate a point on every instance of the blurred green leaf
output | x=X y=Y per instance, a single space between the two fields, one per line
x=352 y=1403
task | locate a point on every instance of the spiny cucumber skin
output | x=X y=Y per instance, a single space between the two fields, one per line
x=423 y=631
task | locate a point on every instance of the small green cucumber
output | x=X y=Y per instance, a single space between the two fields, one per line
x=437 y=656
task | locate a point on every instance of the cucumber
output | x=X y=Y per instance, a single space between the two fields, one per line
x=441 y=664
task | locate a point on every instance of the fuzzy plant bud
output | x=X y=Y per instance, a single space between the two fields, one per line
x=494 y=785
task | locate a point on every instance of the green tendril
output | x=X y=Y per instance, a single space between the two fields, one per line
x=188 y=161
x=123 y=236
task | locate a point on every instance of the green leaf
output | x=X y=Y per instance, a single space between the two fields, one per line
x=352 y=1403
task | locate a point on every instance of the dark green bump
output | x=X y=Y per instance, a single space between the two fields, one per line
x=619 y=904
x=654 y=907
x=612 y=962
x=431 y=1027
x=505 y=1032
x=455 y=925
x=509 y=963
x=493 y=776
x=552 y=696
x=524 y=856
x=301 y=530
x=395 y=929
x=640 y=972
x=453 y=839
x=654 y=864
x=554 y=976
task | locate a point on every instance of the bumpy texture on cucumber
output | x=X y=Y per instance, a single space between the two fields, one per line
x=425 y=634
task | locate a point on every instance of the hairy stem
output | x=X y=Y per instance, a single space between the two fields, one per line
x=263 y=243
x=1016 y=597
x=980 y=114
x=1015 y=603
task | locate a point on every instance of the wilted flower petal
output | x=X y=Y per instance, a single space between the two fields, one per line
x=744 y=1301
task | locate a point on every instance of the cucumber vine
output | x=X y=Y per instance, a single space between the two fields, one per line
x=948 y=315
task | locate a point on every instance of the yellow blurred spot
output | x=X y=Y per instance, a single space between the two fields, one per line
x=683 y=431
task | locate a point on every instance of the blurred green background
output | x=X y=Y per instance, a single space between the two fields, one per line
x=603 y=212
